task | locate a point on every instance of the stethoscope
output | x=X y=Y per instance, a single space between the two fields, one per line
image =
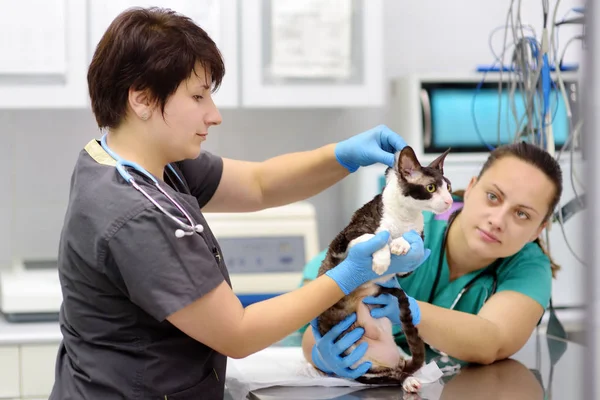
x=555 y=328
x=491 y=270
x=186 y=229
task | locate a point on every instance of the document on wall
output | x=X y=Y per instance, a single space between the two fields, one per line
x=311 y=38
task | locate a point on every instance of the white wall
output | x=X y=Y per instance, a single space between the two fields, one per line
x=426 y=36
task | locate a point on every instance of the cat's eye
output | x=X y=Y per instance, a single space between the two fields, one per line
x=430 y=188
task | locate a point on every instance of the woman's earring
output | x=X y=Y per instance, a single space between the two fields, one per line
x=145 y=116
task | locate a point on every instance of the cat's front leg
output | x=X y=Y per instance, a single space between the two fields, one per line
x=399 y=246
x=381 y=258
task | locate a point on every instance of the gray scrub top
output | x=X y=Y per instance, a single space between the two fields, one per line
x=122 y=272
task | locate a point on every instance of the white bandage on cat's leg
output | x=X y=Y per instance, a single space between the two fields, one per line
x=381 y=258
x=399 y=246
x=411 y=385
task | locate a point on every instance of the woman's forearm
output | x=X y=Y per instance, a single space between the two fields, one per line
x=271 y=320
x=461 y=335
x=298 y=176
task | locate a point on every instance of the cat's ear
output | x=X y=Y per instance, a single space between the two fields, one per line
x=438 y=163
x=408 y=164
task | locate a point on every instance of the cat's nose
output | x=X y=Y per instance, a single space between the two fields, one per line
x=448 y=201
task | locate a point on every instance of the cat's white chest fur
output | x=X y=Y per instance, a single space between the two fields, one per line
x=397 y=225
x=399 y=217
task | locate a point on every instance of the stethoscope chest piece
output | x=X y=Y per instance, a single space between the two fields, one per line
x=185 y=229
x=179 y=233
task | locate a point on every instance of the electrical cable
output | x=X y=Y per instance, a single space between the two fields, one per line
x=527 y=80
x=574 y=131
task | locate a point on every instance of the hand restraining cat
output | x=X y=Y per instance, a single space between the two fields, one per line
x=410 y=189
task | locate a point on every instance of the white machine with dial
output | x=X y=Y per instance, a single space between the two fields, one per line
x=265 y=253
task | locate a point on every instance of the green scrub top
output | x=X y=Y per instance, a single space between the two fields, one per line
x=526 y=272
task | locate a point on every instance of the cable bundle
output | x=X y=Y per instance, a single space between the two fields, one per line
x=526 y=65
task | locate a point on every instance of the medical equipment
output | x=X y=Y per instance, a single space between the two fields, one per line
x=265 y=251
x=186 y=229
x=30 y=291
x=436 y=111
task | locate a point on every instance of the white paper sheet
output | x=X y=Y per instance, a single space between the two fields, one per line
x=311 y=38
x=286 y=366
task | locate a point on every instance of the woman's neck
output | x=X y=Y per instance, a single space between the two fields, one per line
x=460 y=258
x=129 y=147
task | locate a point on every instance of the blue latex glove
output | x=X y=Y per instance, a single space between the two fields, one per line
x=398 y=264
x=327 y=353
x=375 y=145
x=390 y=308
x=356 y=269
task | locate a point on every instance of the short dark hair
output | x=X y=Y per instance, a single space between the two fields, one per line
x=153 y=49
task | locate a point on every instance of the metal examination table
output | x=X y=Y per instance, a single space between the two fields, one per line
x=544 y=368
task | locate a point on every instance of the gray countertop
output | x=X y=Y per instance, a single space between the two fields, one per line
x=544 y=368
x=16 y=333
x=545 y=365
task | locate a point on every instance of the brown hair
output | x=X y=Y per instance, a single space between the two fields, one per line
x=151 y=49
x=543 y=161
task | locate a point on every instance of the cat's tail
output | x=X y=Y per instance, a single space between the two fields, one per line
x=406 y=367
x=411 y=332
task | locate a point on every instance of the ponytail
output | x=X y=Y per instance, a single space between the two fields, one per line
x=553 y=265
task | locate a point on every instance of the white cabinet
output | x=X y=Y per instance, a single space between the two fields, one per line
x=312 y=53
x=291 y=53
x=27 y=370
x=37 y=369
x=217 y=17
x=42 y=53
x=9 y=371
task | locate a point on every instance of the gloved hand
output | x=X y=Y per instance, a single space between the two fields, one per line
x=356 y=269
x=375 y=145
x=398 y=264
x=390 y=308
x=327 y=353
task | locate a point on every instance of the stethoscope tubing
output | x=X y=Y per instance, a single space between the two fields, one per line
x=185 y=229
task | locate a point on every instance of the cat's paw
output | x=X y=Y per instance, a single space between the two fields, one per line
x=411 y=385
x=381 y=260
x=399 y=246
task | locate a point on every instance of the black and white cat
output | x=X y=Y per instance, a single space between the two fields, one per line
x=410 y=189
